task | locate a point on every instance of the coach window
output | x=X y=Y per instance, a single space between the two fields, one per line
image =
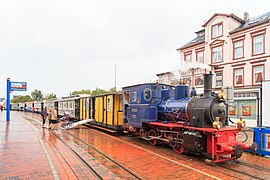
x=70 y=105
x=147 y=94
x=134 y=96
x=126 y=97
x=108 y=103
x=65 y=105
x=60 y=105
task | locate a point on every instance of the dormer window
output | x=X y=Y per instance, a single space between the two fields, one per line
x=217 y=30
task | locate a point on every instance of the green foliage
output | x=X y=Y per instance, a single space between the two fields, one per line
x=95 y=92
x=37 y=95
x=84 y=91
x=50 y=96
x=112 y=90
x=17 y=99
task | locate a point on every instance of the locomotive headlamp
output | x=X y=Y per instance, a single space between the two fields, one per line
x=217 y=125
x=241 y=123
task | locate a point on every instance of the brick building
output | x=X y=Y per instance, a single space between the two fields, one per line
x=237 y=51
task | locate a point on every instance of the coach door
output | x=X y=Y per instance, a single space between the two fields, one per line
x=99 y=110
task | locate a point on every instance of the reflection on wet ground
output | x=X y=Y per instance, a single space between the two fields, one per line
x=146 y=161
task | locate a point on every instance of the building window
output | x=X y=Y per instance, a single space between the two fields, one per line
x=187 y=80
x=217 y=30
x=219 y=77
x=188 y=57
x=258 y=74
x=258 y=46
x=239 y=77
x=200 y=57
x=198 y=81
x=238 y=49
x=217 y=54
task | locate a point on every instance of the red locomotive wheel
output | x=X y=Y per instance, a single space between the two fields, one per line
x=153 y=142
x=178 y=148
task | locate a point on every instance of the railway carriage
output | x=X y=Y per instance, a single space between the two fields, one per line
x=106 y=110
x=14 y=106
x=73 y=105
x=37 y=106
x=50 y=104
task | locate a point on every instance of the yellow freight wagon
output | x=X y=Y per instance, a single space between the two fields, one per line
x=108 y=111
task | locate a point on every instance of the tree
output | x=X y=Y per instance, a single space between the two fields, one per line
x=50 y=96
x=83 y=91
x=98 y=91
x=17 y=99
x=37 y=95
x=112 y=90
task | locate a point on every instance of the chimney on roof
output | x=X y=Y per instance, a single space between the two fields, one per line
x=246 y=16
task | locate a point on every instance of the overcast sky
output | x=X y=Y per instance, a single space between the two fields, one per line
x=58 y=46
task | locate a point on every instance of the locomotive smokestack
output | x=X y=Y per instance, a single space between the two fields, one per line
x=208 y=84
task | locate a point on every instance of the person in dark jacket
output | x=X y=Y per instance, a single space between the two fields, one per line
x=193 y=92
x=44 y=114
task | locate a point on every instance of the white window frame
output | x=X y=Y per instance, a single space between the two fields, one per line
x=217 y=30
x=219 y=78
x=215 y=54
x=238 y=45
x=254 y=73
x=258 y=40
x=200 y=56
x=188 y=59
x=238 y=72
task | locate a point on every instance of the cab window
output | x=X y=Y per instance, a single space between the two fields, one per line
x=134 y=96
x=147 y=94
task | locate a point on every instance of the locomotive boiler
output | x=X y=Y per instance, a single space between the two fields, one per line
x=198 y=112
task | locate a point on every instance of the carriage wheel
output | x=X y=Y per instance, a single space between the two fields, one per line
x=178 y=148
x=153 y=142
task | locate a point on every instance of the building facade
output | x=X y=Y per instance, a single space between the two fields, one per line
x=237 y=52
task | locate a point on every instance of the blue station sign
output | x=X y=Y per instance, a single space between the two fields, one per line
x=18 y=86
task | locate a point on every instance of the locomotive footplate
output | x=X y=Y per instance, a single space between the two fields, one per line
x=223 y=146
x=219 y=145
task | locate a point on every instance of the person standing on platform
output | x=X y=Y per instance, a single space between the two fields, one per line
x=193 y=92
x=44 y=114
x=53 y=118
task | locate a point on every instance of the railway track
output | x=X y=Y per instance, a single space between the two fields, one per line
x=250 y=171
x=125 y=171
x=242 y=170
x=93 y=167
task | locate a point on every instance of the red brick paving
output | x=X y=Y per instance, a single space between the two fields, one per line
x=22 y=155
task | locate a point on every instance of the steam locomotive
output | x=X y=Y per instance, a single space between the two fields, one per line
x=161 y=113
x=164 y=114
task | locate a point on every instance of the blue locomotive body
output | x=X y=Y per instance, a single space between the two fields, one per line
x=155 y=102
x=141 y=103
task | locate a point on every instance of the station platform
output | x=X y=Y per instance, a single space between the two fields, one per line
x=28 y=152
